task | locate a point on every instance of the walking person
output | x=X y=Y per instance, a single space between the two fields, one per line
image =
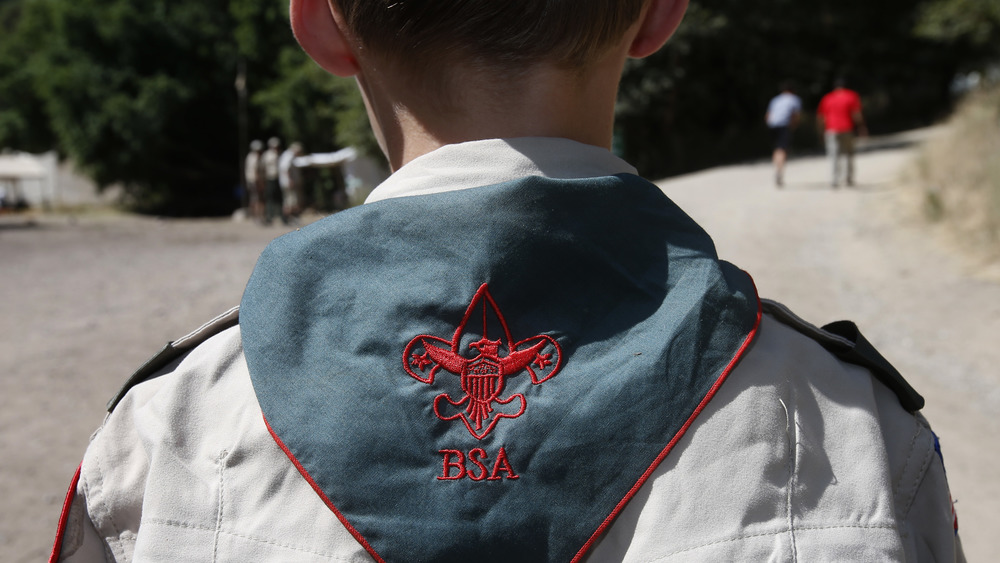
x=840 y=118
x=782 y=117
x=290 y=178
x=253 y=172
x=272 y=190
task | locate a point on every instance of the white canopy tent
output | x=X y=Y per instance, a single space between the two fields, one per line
x=21 y=177
x=361 y=173
x=21 y=166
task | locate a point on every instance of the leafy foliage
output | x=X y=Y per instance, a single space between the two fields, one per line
x=307 y=104
x=702 y=99
x=23 y=121
x=143 y=94
x=974 y=21
x=960 y=175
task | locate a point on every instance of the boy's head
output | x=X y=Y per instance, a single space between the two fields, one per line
x=434 y=72
x=425 y=36
x=507 y=35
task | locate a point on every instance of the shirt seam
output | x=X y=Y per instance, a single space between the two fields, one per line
x=777 y=533
x=179 y=524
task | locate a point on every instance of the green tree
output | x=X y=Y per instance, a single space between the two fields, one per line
x=972 y=26
x=144 y=94
x=977 y=21
x=701 y=100
x=313 y=107
x=24 y=122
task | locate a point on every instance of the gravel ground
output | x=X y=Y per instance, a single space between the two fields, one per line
x=84 y=301
x=864 y=254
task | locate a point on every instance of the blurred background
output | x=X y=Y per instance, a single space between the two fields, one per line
x=161 y=99
x=129 y=214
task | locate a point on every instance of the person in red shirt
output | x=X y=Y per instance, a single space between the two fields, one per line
x=839 y=115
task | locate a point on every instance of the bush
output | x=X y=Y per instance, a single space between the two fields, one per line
x=959 y=172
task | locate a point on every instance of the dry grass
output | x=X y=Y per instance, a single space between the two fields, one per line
x=959 y=173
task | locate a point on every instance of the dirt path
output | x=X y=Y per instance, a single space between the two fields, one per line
x=863 y=255
x=85 y=302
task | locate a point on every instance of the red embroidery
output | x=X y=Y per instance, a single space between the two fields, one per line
x=502 y=464
x=448 y=464
x=454 y=467
x=475 y=456
x=484 y=376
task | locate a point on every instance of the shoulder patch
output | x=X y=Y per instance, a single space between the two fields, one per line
x=176 y=348
x=844 y=340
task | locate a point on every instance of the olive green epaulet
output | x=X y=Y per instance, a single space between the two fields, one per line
x=176 y=349
x=844 y=340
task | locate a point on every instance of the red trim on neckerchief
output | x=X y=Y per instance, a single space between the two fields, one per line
x=64 y=516
x=326 y=500
x=680 y=433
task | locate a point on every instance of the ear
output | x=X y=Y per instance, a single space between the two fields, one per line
x=320 y=33
x=659 y=22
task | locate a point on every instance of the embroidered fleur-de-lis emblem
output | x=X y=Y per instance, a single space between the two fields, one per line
x=483 y=366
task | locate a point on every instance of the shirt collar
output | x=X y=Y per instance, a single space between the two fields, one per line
x=493 y=161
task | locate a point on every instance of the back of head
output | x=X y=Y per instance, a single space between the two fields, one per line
x=505 y=34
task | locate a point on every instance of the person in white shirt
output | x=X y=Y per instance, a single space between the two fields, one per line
x=290 y=178
x=782 y=117
x=253 y=172
x=272 y=187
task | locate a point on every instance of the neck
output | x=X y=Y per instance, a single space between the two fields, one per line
x=542 y=102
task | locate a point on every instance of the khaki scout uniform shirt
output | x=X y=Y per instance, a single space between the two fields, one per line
x=799 y=456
